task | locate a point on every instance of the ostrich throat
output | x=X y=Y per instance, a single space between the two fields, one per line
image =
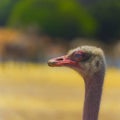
x=93 y=91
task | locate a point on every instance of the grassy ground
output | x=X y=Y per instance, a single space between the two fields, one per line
x=38 y=92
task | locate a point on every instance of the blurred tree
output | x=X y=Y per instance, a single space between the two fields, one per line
x=58 y=18
x=5 y=10
x=107 y=14
x=88 y=2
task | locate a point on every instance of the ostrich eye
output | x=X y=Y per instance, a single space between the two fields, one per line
x=81 y=57
x=77 y=56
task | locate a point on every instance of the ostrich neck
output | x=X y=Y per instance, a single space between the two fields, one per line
x=93 y=91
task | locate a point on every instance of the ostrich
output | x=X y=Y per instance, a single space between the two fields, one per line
x=89 y=61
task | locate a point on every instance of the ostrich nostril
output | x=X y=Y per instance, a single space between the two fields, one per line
x=59 y=59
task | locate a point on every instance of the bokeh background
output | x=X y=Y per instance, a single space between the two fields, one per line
x=33 y=31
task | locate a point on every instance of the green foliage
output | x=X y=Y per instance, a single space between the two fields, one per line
x=61 y=18
x=64 y=18
x=5 y=10
x=107 y=14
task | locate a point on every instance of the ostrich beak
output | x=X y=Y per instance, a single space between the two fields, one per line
x=60 y=61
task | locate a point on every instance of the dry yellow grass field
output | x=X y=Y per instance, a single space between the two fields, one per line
x=38 y=92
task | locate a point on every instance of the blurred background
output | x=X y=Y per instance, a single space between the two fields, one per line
x=32 y=32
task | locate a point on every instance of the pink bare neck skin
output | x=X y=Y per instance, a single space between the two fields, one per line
x=93 y=91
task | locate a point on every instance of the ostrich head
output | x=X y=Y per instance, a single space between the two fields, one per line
x=87 y=60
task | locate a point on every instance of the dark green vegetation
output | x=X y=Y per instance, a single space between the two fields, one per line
x=65 y=18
